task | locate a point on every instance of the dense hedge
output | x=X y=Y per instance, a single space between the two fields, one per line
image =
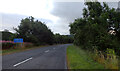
x=62 y=39
x=8 y=45
x=28 y=45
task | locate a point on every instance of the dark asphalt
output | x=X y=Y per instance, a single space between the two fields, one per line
x=52 y=57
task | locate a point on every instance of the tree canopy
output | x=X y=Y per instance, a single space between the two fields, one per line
x=59 y=39
x=92 y=29
x=38 y=33
x=6 y=35
x=34 y=31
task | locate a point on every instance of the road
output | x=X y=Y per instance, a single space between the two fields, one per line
x=51 y=57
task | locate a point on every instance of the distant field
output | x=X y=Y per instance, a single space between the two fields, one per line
x=79 y=59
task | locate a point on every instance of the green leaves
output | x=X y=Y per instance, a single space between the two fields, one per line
x=34 y=31
x=62 y=39
x=92 y=30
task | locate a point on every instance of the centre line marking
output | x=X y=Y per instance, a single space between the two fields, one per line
x=47 y=51
x=22 y=62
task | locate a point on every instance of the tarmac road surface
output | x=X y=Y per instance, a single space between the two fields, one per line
x=51 y=57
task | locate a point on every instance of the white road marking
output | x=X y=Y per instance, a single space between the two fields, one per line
x=47 y=51
x=22 y=62
x=53 y=48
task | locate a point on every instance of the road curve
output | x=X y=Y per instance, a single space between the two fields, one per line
x=51 y=57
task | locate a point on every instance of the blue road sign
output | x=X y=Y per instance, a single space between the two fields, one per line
x=18 y=40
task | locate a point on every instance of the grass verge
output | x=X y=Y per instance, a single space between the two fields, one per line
x=14 y=50
x=79 y=59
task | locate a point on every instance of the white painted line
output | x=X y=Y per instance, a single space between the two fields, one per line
x=22 y=62
x=47 y=51
x=53 y=48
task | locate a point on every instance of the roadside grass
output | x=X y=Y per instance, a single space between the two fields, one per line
x=18 y=49
x=79 y=59
x=110 y=61
x=14 y=50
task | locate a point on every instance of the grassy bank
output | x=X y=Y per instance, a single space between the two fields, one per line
x=14 y=50
x=79 y=59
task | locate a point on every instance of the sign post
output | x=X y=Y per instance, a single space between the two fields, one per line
x=18 y=40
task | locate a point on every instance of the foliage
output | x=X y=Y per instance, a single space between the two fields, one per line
x=27 y=45
x=80 y=59
x=8 y=45
x=5 y=35
x=34 y=31
x=108 y=59
x=38 y=33
x=59 y=39
x=92 y=30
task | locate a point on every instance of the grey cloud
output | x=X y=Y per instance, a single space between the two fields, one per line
x=10 y=20
x=69 y=10
x=45 y=20
x=72 y=10
x=13 y=20
x=66 y=11
x=113 y=4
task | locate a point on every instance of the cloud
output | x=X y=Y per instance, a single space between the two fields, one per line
x=10 y=20
x=67 y=12
x=36 y=8
x=113 y=4
x=85 y=0
x=13 y=20
x=56 y=15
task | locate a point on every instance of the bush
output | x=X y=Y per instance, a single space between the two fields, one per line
x=28 y=45
x=11 y=44
x=7 y=45
x=34 y=31
x=109 y=59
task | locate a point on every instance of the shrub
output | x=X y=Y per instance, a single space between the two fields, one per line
x=108 y=58
x=7 y=45
x=27 y=45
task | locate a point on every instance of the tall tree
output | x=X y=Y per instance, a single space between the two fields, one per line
x=92 y=30
x=34 y=31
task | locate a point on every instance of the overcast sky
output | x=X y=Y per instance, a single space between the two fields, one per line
x=56 y=14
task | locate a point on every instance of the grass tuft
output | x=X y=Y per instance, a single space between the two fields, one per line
x=79 y=59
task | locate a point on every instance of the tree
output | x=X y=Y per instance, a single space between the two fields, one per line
x=61 y=39
x=6 y=35
x=92 y=29
x=34 y=31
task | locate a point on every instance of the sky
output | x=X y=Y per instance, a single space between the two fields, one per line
x=57 y=14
